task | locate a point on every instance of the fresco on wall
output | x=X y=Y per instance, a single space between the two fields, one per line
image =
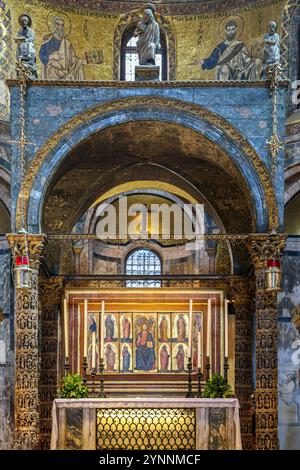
x=289 y=349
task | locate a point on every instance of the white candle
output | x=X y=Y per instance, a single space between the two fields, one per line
x=93 y=350
x=226 y=327
x=199 y=350
x=102 y=330
x=208 y=329
x=66 y=328
x=85 y=333
x=190 y=329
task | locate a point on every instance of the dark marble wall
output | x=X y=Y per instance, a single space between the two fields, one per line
x=289 y=348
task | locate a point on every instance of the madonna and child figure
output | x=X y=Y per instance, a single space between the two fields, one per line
x=148 y=43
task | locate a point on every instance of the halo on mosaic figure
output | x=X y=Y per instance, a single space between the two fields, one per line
x=239 y=22
x=27 y=16
x=58 y=14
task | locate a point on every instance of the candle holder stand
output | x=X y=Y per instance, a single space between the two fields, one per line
x=207 y=367
x=67 y=366
x=189 y=368
x=226 y=367
x=199 y=376
x=101 y=369
x=93 y=374
x=84 y=366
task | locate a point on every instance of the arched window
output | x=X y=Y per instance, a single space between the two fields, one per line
x=143 y=262
x=129 y=55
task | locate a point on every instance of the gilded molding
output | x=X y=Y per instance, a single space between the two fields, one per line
x=162 y=84
x=132 y=102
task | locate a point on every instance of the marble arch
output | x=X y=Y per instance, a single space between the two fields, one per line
x=143 y=108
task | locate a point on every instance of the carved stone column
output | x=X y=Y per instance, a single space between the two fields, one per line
x=262 y=248
x=26 y=396
x=51 y=292
x=240 y=293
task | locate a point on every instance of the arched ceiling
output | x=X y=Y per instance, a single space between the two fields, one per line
x=147 y=150
x=163 y=6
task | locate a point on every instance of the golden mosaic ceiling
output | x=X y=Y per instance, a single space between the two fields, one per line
x=173 y=7
x=147 y=151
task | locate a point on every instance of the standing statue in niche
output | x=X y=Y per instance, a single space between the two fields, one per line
x=26 y=54
x=148 y=43
x=271 y=48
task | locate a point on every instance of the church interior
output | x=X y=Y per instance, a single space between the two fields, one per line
x=150 y=224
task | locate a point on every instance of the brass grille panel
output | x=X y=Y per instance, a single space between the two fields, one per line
x=149 y=428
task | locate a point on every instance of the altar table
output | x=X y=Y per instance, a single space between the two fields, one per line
x=146 y=423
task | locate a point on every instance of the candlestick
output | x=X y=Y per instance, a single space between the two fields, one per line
x=199 y=376
x=226 y=367
x=226 y=327
x=85 y=333
x=208 y=329
x=93 y=373
x=189 y=367
x=102 y=330
x=101 y=369
x=207 y=366
x=84 y=365
x=93 y=350
x=67 y=366
x=66 y=328
x=190 y=329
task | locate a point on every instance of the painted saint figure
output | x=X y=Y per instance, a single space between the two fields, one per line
x=145 y=354
x=126 y=328
x=231 y=58
x=110 y=358
x=25 y=46
x=110 y=328
x=163 y=329
x=59 y=61
x=164 y=359
x=149 y=38
x=181 y=328
x=126 y=359
x=180 y=358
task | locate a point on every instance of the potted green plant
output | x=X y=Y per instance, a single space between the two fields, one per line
x=72 y=387
x=217 y=387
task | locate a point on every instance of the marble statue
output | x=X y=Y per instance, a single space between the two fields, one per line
x=25 y=46
x=271 y=47
x=148 y=42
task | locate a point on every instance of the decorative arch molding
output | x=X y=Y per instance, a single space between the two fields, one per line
x=131 y=18
x=289 y=39
x=214 y=127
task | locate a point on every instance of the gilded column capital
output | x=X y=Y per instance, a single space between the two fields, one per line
x=52 y=289
x=264 y=247
x=27 y=243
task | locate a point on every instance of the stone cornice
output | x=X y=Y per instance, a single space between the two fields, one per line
x=163 y=84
